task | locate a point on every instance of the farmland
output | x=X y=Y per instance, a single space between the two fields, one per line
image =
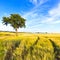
x=29 y=46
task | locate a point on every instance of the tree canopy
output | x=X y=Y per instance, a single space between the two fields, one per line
x=15 y=20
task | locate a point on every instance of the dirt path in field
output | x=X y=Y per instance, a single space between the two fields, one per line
x=56 y=50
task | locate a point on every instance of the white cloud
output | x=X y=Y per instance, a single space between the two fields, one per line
x=38 y=20
x=34 y=1
x=54 y=16
x=38 y=2
x=55 y=11
x=42 y=1
x=33 y=15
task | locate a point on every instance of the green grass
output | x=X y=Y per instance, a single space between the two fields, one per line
x=28 y=46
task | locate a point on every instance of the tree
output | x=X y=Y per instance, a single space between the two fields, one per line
x=15 y=20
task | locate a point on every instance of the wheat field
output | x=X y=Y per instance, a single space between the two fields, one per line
x=29 y=46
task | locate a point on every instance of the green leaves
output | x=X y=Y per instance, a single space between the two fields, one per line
x=5 y=20
x=15 y=20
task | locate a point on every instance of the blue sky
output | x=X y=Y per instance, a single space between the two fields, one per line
x=40 y=15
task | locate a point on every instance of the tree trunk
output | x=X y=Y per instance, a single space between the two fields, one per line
x=16 y=32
